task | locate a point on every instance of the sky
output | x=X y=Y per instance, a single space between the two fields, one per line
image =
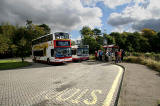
x=71 y=15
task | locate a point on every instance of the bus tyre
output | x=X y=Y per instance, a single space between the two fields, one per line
x=48 y=61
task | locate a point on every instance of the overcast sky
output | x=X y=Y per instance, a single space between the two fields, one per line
x=71 y=15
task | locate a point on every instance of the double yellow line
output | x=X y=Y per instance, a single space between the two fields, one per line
x=109 y=97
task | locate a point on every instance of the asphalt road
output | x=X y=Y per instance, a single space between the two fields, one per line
x=73 y=84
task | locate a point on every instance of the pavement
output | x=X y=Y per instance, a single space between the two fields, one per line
x=141 y=86
x=72 y=84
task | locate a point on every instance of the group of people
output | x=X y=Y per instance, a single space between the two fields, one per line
x=98 y=55
x=109 y=55
x=119 y=54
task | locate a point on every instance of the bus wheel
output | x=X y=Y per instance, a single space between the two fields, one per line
x=48 y=61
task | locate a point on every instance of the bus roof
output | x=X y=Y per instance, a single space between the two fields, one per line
x=42 y=36
x=50 y=34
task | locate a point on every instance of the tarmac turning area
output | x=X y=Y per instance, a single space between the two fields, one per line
x=73 y=84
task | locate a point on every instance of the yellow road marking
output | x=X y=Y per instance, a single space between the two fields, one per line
x=77 y=99
x=59 y=98
x=109 y=97
x=94 y=98
x=49 y=96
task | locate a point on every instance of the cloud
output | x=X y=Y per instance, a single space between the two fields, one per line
x=61 y=15
x=143 y=14
x=114 y=3
x=108 y=3
x=117 y=19
x=150 y=23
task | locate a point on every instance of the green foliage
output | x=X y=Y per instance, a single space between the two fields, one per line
x=151 y=36
x=145 y=41
x=120 y=39
x=16 y=40
x=110 y=39
x=142 y=60
x=73 y=43
x=4 y=44
x=96 y=31
x=99 y=40
x=91 y=57
x=86 y=31
x=88 y=40
x=45 y=27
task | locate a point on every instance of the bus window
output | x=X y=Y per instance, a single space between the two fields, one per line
x=79 y=52
x=52 y=52
x=38 y=53
x=85 y=51
x=61 y=35
x=74 y=52
x=44 y=51
x=43 y=39
x=50 y=37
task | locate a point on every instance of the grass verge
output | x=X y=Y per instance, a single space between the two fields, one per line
x=155 y=65
x=158 y=102
x=12 y=64
x=91 y=57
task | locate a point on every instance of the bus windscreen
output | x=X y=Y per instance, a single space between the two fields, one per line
x=63 y=52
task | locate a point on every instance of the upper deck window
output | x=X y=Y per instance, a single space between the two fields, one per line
x=43 y=39
x=61 y=35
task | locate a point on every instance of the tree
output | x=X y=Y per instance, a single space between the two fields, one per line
x=157 y=42
x=23 y=44
x=96 y=32
x=4 y=44
x=45 y=27
x=88 y=40
x=110 y=39
x=73 y=43
x=120 y=39
x=86 y=31
x=151 y=36
x=7 y=32
x=29 y=24
x=23 y=48
x=99 y=40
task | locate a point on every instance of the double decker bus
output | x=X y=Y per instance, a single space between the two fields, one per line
x=80 y=52
x=52 y=48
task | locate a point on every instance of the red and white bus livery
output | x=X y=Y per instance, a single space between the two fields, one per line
x=52 y=48
x=80 y=52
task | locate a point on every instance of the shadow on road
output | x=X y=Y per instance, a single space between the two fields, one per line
x=36 y=65
x=158 y=74
x=39 y=65
x=93 y=62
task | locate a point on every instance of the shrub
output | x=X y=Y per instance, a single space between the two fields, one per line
x=136 y=54
x=91 y=57
x=141 y=60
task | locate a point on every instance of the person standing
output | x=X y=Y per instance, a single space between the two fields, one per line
x=119 y=55
x=100 y=54
x=110 y=55
x=123 y=54
x=96 y=55
x=116 y=56
x=106 y=55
